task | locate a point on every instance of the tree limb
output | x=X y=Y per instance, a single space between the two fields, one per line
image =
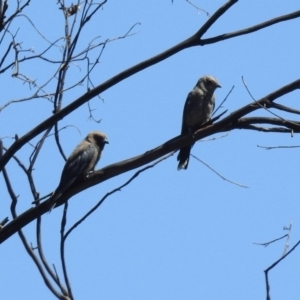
x=232 y=121
x=190 y=42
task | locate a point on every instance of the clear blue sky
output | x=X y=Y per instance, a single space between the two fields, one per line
x=169 y=234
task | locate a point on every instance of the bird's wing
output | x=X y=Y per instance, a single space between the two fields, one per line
x=76 y=164
x=190 y=103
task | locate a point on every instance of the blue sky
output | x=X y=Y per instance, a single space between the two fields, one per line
x=169 y=234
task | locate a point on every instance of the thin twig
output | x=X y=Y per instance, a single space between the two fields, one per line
x=285 y=108
x=286 y=246
x=216 y=118
x=135 y=175
x=223 y=101
x=238 y=184
x=266 y=244
x=273 y=265
x=213 y=138
x=113 y=81
x=198 y=8
x=23 y=238
x=62 y=250
x=3 y=222
x=261 y=106
x=277 y=147
x=257 y=27
x=53 y=275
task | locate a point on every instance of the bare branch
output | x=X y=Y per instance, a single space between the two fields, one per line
x=62 y=249
x=3 y=222
x=118 y=189
x=221 y=11
x=286 y=246
x=262 y=106
x=198 y=8
x=23 y=238
x=290 y=124
x=266 y=244
x=221 y=176
x=273 y=265
x=278 y=147
x=19 y=9
x=53 y=275
x=111 y=82
x=223 y=100
x=232 y=121
x=285 y=108
x=248 y=30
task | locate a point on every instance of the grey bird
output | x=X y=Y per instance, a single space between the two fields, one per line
x=80 y=163
x=198 y=108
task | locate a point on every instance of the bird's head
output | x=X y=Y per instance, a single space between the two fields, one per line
x=208 y=83
x=98 y=138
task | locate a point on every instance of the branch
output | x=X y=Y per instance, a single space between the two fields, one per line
x=228 y=123
x=3 y=222
x=192 y=41
x=135 y=175
x=243 y=123
x=248 y=30
x=53 y=275
x=266 y=244
x=285 y=108
x=198 y=8
x=212 y=20
x=18 y=11
x=273 y=265
x=23 y=238
x=221 y=176
x=62 y=250
x=265 y=101
x=278 y=147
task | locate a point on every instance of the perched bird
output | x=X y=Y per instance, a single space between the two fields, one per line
x=81 y=161
x=198 y=108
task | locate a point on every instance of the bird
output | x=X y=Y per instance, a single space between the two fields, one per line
x=80 y=163
x=198 y=108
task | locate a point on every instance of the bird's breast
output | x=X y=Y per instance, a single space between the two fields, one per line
x=198 y=115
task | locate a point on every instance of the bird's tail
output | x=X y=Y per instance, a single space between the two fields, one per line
x=53 y=200
x=183 y=158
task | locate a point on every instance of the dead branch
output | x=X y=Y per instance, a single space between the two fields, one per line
x=194 y=40
x=231 y=122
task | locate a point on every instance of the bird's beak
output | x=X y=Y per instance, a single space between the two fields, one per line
x=218 y=86
x=106 y=141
